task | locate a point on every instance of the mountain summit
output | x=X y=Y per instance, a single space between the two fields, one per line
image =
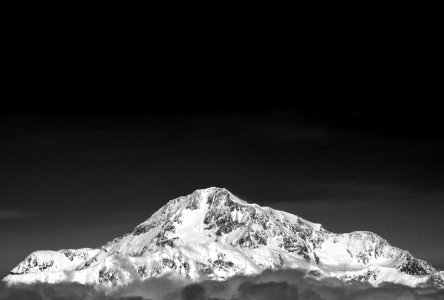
x=212 y=234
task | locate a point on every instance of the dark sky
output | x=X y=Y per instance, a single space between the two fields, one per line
x=75 y=178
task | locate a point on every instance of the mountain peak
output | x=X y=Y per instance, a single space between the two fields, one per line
x=212 y=234
x=214 y=192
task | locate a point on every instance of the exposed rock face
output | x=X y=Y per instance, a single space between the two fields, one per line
x=212 y=234
x=437 y=279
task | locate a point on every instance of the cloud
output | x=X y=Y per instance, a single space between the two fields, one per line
x=43 y=291
x=166 y=287
x=279 y=290
x=194 y=292
x=293 y=284
x=15 y=213
x=282 y=285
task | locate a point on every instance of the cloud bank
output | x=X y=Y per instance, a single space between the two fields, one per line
x=274 y=285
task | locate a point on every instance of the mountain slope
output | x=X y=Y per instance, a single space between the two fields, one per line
x=212 y=234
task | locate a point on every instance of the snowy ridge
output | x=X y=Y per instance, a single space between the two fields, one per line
x=212 y=234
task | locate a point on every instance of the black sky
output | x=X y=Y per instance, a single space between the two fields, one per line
x=79 y=177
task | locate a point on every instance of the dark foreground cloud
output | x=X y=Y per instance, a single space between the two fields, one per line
x=282 y=285
x=43 y=291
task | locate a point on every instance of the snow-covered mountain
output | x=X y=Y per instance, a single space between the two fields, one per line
x=212 y=234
